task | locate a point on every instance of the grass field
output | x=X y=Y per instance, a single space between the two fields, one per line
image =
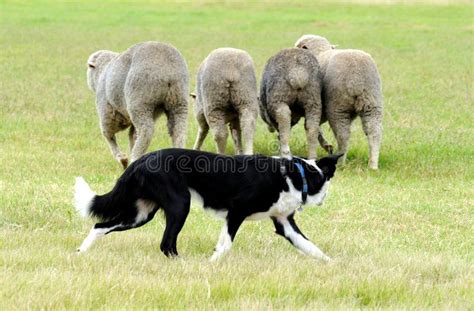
x=401 y=237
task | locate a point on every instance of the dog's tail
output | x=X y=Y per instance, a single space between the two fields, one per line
x=104 y=207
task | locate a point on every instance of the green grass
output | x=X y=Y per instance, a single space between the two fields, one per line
x=401 y=237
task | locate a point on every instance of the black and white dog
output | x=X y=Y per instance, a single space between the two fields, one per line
x=236 y=188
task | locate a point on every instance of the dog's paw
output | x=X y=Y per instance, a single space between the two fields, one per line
x=326 y=259
x=215 y=256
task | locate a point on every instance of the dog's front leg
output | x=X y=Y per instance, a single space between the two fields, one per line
x=286 y=227
x=227 y=236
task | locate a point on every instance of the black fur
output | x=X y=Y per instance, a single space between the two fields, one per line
x=239 y=185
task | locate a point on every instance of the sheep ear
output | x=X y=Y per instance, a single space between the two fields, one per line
x=333 y=46
x=193 y=95
x=91 y=64
x=301 y=45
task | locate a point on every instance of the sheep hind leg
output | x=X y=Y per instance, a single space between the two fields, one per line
x=118 y=155
x=236 y=133
x=372 y=126
x=132 y=137
x=283 y=119
x=217 y=125
x=341 y=126
x=312 y=120
x=109 y=131
x=247 y=119
x=111 y=123
x=324 y=143
x=176 y=109
x=202 y=132
x=143 y=121
x=177 y=122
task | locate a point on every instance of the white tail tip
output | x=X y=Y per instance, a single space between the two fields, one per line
x=83 y=197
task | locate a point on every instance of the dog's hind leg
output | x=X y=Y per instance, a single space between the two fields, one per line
x=286 y=227
x=146 y=210
x=227 y=236
x=176 y=212
x=93 y=235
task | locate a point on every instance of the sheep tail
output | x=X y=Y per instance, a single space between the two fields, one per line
x=298 y=77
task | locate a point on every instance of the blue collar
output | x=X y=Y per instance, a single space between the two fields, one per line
x=304 y=192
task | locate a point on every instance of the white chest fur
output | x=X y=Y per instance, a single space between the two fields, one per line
x=286 y=204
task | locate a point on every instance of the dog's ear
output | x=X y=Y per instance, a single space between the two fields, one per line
x=328 y=164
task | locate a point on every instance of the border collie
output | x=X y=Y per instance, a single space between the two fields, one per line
x=236 y=188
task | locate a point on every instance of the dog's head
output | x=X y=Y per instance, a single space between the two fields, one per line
x=318 y=176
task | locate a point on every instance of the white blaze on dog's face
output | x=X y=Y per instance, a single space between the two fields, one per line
x=325 y=168
x=318 y=198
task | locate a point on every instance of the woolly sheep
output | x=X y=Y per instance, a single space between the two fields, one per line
x=291 y=89
x=351 y=87
x=134 y=88
x=227 y=93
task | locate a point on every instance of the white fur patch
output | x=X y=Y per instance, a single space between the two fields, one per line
x=83 y=197
x=197 y=198
x=300 y=242
x=223 y=245
x=286 y=204
x=93 y=235
x=144 y=208
x=312 y=163
x=289 y=201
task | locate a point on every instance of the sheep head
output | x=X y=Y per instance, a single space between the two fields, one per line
x=315 y=44
x=96 y=64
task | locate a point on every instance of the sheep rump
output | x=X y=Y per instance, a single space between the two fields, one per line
x=291 y=89
x=227 y=94
x=134 y=88
x=351 y=88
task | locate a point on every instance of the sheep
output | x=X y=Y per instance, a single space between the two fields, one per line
x=290 y=89
x=351 y=87
x=227 y=93
x=134 y=88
